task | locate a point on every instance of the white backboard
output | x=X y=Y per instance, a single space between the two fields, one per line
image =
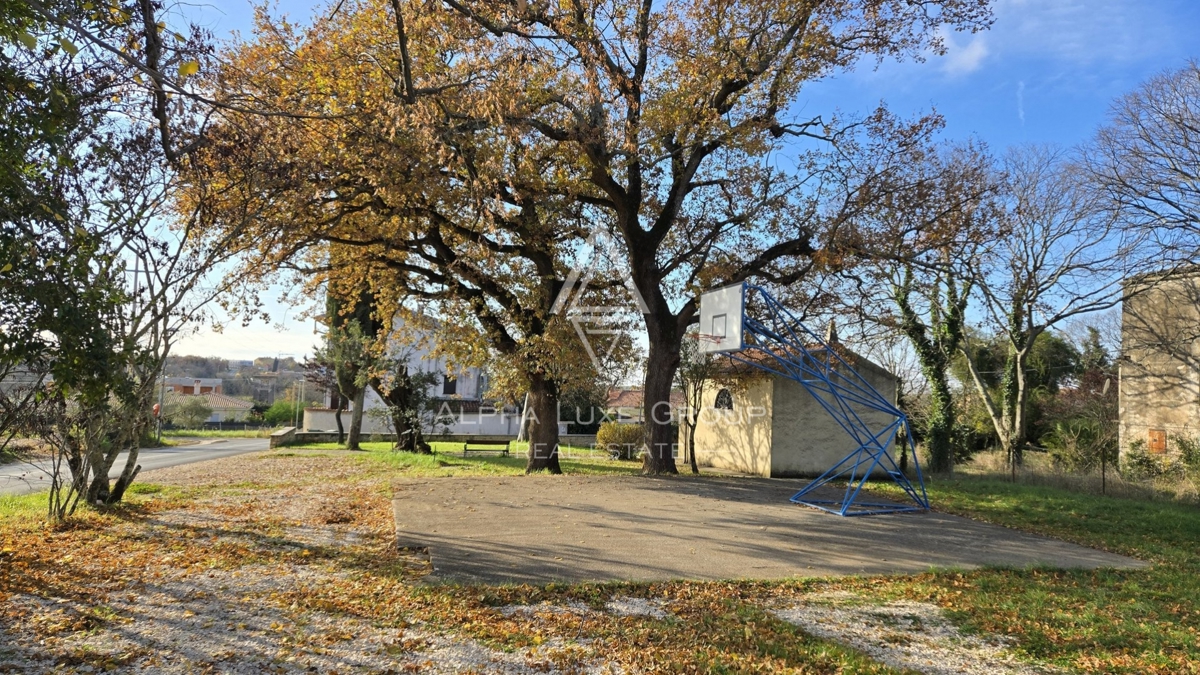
x=721 y=319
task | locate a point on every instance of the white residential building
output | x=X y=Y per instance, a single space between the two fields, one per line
x=460 y=401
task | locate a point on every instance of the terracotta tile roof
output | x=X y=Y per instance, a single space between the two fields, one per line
x=632 y=398
x=214 y=400
x=730 y=366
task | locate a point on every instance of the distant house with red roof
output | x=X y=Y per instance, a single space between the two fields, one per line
x=224 y=408
x=626 y=405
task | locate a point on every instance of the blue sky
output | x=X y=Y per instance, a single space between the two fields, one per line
x=1046 y=72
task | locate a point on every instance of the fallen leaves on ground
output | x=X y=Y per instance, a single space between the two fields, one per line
x=289 y=565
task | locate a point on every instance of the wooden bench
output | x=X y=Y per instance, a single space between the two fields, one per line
x=486 y=446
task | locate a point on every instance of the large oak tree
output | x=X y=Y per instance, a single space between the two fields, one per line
x=676 y=114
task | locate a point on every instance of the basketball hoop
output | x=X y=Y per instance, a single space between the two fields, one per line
x=721 y=316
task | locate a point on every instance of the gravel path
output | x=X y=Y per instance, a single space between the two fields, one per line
x=225 y=622
x=903 y=634
x=238 y=621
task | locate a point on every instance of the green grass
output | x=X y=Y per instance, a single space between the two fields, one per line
x=1133 y=621
x=217 y=433
x=447 y=460
x=32 y=507
x=23 y=507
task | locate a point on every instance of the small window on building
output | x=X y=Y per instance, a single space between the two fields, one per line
x=1158 y=442
x=724 y=400
x=449 y=385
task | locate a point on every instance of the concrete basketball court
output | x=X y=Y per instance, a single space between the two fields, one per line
x=538 y=529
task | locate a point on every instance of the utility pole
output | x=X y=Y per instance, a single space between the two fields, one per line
x=1104 y=448
x=297 y=414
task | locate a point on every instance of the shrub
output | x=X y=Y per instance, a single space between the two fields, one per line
x=282 y=413
x=1080 y=444
x=1189 y=451
x=621 y=440
x=1137 y=464
x=188 y=412
x=966 y=440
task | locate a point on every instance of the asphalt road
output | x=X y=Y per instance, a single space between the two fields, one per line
x=23 y=478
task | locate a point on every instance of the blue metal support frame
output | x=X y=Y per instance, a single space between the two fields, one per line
x=781 y=345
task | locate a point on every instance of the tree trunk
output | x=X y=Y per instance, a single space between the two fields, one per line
x=128 y=475
x=939 y=428
x=1015 y=395
x=135 y=432
x=98 y=463
x=356 y=419
x=406 y=419
x=691 y=427
x=543 y=426
x=659 y=457
x=409 y=436
x=1018 y=428
x=337 y=417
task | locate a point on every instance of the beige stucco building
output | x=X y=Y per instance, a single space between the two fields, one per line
x=1160 y=361
x=771 y=426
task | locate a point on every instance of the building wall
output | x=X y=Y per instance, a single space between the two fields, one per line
x=778 y=429
x=737 y=440
x=229 y=415
x=1159 y=395
x=807 y=441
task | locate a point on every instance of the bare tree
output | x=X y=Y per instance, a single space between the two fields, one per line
x=98 y=392
x=1147 y=161
x=696 y=369
x=138 y=264
x=929 y=232
x=167 y=273
x=1064 y=254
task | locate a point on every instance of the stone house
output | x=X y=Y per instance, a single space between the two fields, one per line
x=771 y=426
x=1159 y=396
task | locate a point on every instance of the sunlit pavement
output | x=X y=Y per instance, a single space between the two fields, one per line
x=25 y=477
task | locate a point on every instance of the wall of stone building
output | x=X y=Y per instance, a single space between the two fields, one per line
x=777 y=429
x=738 y=439
x=1160 y=366
x=806 y=440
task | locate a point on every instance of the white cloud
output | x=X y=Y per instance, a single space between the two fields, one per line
x=287 y=332
x=1081 y=31
x=248 y=342
x=1021 y=101
x=965 y=58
